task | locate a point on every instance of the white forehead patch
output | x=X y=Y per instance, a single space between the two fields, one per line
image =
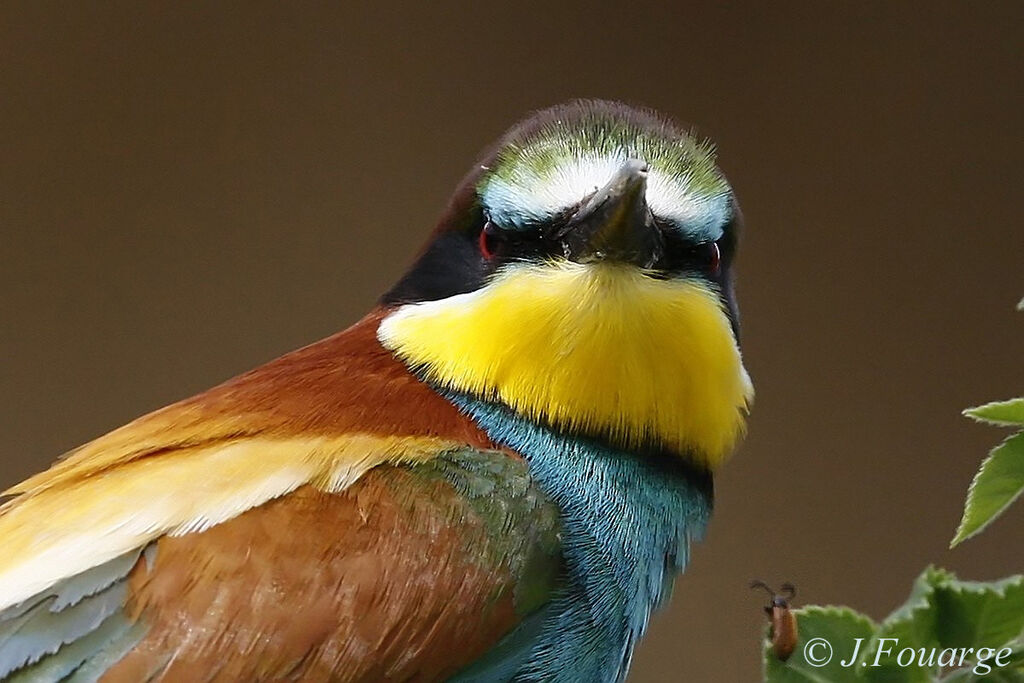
x=529 y=196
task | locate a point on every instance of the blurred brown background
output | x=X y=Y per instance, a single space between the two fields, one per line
x=186 y=192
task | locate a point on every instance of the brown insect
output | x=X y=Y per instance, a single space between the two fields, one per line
x=783 y=631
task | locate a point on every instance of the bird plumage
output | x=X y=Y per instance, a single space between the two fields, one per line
x=600 y=336
x=495 y=475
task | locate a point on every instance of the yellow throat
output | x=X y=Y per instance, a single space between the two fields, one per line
x=595 y=349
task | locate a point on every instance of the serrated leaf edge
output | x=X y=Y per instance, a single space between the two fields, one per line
x=976 y=413
x=999 y=586
x=834 y=610
x=959 y=537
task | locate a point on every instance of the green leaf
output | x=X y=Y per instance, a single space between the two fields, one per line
x=980 y=614
x=941 y=614
x=1001 y=413
x=914 y=622
x=840 y=627
x=1011 y=672
x=944 y=612
x=1017 y=658
x=911 y=625
x=967 y=675
x=999 y=482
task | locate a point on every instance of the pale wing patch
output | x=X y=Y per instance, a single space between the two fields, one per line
x=86 y=658
x=64 y=530
x=175 y=427
x=70 y=618
x=44 y=629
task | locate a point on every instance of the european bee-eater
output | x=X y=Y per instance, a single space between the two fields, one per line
x=495 y=475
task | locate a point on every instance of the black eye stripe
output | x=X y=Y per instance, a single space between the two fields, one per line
x=683 y=255
x=499 y=245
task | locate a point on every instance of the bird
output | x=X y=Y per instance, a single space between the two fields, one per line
x=495 y=475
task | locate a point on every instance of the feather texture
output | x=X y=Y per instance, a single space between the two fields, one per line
x=586 y=348
x=494 y=476
x=305 y=418
x=628 y=520
x=374 y=583
x=329 y=483
x=78 y=612
x=65 y=530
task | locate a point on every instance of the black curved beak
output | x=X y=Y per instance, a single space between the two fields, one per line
x=615 y=224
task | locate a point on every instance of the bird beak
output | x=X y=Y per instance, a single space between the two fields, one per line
x=614 y=224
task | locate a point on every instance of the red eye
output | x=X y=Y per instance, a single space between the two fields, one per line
x=486 y=246
x=714 y=258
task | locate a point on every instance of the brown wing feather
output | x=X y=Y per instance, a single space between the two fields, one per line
x=343 y=384
x=404 y=576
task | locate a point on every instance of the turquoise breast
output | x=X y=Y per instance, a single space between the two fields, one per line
x=628 y=520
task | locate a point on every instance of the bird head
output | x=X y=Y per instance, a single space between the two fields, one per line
x=582 y=277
